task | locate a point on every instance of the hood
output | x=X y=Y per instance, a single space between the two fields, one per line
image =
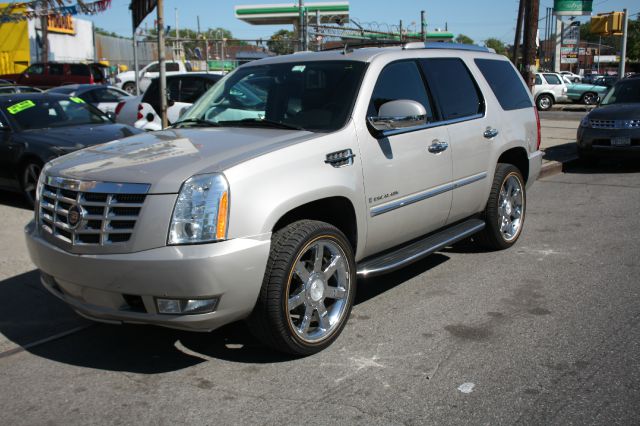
x=167 y=158
x=78 y=136
x=127 y=75
x=616 y=112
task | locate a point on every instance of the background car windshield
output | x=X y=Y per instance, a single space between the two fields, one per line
x=624 y=92
x=310 y=95
x=44 y=113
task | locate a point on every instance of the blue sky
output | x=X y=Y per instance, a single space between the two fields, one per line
x=476 y=18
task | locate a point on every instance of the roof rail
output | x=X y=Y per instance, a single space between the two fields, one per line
x=443 y=45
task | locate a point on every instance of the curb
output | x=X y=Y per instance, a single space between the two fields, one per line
x=574 y=108
x=551 y=168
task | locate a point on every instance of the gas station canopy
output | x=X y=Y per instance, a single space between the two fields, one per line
x=277 y=14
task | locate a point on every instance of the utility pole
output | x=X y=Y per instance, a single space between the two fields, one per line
x=401 y=31
x=177 y=45
x=161 y=62
x=423 y=26
x=135 y=58
x=557 y=57
x=44 y=32
x=301 y=24
x=516 y=42
x=530 y=30
x=623 y=53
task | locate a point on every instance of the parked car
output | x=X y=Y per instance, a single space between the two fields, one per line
x=588 y=94
x=55 y=74
x=613 y=128
x=549 y=88
x=105 y=98
x=268 y=206
x=38 y=127
x=573 y=78
x=12 y=88
x=182 y=91
x=127 y=80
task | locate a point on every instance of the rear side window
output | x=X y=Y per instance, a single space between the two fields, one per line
x=450 y=80
x=56 y=69
x=505 y=84
x=552 y=79
x=172 y=66
x=399 y=80
x=79 y=69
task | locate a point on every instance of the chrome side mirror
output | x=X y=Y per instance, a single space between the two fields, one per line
x=400 y=114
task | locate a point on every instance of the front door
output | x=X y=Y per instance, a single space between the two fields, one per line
x=406 y=184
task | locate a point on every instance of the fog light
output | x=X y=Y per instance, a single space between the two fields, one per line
x=186 y=306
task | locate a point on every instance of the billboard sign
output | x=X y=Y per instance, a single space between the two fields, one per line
x=570 y=41
x=572 y=7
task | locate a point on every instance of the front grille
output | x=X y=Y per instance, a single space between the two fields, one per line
x=83 y=217
x=615 y=124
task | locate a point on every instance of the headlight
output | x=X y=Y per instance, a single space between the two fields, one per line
x=585 y=121
x=201 y=211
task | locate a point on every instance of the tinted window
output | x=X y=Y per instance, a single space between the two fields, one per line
x=192 y=89
x=626 y=91
x=35 y=69
x=399 y=80
x=43 y=113
x=7 y=90
x=173 y=89
x=552 y=79
x=26 y=89
x=79 y=69
x=154 y=68
x=538 y=80
x=172 y=66
x=457 y=92
x=505 y=83
x=56 y=69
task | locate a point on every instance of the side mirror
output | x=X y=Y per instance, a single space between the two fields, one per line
x=111 y=116
x=400 y=114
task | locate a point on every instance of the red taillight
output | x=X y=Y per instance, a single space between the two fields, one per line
x=140 y=112
x=538 y=127
x=119 y=107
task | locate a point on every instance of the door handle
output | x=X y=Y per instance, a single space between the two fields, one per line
x=490 y=133
x=438 y=146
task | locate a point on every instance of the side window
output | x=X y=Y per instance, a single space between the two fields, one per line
x=56 y=69
x=552 y=79
x=172 y=66
x=106 y=95
x=399 y=80
x=79 y=69
x=7 y=90
x=91 y=96
x=191 y=90
x=538 y=80
x=505 y=83
x=154 y=68
x=36 y=69
x=173 y=89
x=458 y=94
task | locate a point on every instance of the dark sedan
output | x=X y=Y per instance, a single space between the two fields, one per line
x=35 y=128
x=613 y=129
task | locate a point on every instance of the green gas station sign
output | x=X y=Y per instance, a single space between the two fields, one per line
x=572 y=7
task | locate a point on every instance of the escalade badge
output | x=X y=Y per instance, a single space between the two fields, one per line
x=75 y=216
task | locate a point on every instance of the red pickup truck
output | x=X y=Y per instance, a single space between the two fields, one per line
x=54 y=74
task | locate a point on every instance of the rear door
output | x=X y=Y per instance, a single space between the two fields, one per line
x=56 y=76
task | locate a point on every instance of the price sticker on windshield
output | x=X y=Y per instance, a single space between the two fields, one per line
x=76 y=100
x=21 y=106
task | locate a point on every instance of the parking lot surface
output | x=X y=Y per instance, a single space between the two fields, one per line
x=544 y=333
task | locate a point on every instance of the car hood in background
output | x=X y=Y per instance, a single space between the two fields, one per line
x=616 y=112
x=167 y=158
x=78 y=136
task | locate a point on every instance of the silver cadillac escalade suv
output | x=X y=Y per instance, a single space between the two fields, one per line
x=289 y=180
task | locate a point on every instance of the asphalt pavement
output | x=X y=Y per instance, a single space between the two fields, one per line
x=546 y=332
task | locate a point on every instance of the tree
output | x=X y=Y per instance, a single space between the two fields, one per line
x=464 y=39
x=633 y=40
x=497 y=45
x=282 y=42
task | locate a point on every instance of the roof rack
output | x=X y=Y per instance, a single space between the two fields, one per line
x=447 y=45
x=348 y=47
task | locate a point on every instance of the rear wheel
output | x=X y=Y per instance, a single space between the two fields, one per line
x=129 y=88
x=308 y=289
x=544 y=102
x=29 y=180
x=589 y=98
x=505 y=210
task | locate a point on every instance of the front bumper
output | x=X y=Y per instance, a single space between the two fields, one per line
x=101 y=287
x=597 y=142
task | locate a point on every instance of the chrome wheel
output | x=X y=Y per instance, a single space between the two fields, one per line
x=544 y=102
x=510 y=207
x=30 y=177
x=590 y=99
x=318 y=290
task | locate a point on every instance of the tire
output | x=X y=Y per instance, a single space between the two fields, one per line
x=544 y=102
x=130 y=88
x=505 y=211
x=314 y=317
x=29 y=174
x=589 y=98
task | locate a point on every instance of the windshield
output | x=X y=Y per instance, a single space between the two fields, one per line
x=626 y=91
x=44 y=113
x=315 y=96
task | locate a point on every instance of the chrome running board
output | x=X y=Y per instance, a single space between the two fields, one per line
x=412 y=252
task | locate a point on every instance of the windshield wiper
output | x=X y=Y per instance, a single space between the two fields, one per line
x=197 y=122
x=261 y=123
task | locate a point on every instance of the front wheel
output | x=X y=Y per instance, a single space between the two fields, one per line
x=505 y=210
x=544 y=102
x=308 y=289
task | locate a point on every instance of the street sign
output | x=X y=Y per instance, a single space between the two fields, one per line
x=572 y=7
